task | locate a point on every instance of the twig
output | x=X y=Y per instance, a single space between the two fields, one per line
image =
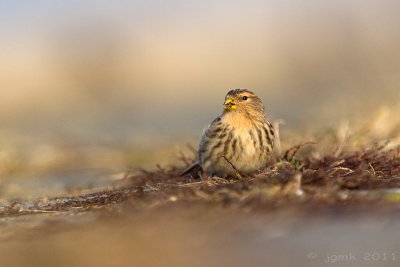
x=192 y=149
x=182 y=157
x=233 y=166
x=276 y=125
x=342 y=136
x=334 y=170
x=295 y=149
x=185 y=159
x=181 y=185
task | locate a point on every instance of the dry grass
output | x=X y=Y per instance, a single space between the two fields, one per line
x=310 y=194
x=300 y=177
x=337 y=168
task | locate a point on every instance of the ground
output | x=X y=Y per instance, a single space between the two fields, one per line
x=313 y=205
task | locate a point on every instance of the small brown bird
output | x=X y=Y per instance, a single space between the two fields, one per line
x=238 y=142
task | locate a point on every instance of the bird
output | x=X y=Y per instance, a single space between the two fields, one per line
x=237 y=143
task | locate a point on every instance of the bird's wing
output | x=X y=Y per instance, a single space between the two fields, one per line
x=210 y=133
x=195 y=169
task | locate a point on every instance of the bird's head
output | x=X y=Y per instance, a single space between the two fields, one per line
x=243 y=101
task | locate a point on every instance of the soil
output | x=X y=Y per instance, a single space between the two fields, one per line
x=316 y=208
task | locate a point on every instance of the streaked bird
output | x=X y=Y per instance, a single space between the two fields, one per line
x=238 y=142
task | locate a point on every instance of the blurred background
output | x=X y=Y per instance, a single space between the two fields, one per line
x=90 y=89
x=93 y=87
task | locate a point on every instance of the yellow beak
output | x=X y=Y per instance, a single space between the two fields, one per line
x=229 y=104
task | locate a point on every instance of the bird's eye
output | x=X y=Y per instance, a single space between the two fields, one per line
x=244 y=98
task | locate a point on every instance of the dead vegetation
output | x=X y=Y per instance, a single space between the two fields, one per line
x=298 y=178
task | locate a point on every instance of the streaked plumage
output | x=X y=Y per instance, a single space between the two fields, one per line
x=239 y=141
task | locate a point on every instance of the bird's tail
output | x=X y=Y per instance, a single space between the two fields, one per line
x=194 y=170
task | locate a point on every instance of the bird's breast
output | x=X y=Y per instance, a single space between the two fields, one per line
x=254 y=151
x=228 y=147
